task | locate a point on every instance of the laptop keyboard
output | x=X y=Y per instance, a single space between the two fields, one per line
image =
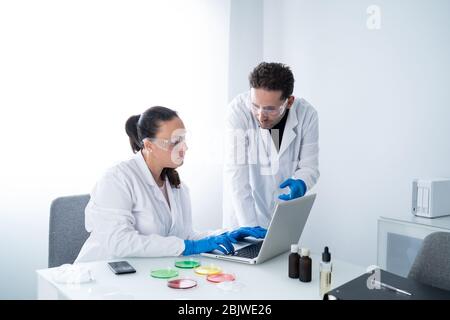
x=250 y=251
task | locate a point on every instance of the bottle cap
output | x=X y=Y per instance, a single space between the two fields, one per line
x=326 y=255
x=294 y=248
x=305 y=252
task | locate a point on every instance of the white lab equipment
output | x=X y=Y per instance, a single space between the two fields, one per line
x=128 y=216
x=431 y=197
x=254 y=168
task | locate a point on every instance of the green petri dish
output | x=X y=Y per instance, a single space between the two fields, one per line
x=164 y=273
x=187 y=264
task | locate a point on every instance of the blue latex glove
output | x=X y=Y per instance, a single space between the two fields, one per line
x=297 y=187
x=222 y=243
x=241 y=233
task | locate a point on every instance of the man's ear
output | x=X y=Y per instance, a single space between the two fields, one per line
x=290 y=102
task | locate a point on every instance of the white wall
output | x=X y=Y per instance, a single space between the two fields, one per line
x=246 y=43
x=71 y=73
x=383 y=102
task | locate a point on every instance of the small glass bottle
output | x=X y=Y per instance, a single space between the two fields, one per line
x=293 y=262
x=305 y=266
x=326 y=269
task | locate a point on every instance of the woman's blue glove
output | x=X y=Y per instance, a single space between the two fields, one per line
x=297 y=187
x=241 y=233
x=222 y=243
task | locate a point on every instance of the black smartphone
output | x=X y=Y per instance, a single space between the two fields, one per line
x=121 y=267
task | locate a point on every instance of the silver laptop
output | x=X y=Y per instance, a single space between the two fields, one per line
x=285 y=229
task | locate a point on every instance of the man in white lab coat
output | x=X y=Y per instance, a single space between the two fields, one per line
x=271 y=144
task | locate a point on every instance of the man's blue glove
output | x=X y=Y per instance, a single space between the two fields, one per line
x=241 y=233
x=222 y=243
x=298 y=189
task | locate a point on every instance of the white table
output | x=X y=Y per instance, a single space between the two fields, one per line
x=259 y=282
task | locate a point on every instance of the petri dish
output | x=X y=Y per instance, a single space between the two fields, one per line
x=164 y=273
x=230 y=286
x=207 y=270
x=181 y=283
x=220 y=277
x=187 y=264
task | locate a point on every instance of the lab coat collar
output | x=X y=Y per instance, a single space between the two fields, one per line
x=267 y=154
x=145 y=171
x=174 y=212
x=289 y=133
x=147 y=175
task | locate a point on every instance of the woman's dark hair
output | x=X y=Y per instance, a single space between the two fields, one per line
x=146 y=125
x=273 y=76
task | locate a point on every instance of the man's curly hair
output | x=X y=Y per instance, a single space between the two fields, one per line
x=273 y=76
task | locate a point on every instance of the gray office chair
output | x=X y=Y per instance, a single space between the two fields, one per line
x=67 y=233
x=432 y=263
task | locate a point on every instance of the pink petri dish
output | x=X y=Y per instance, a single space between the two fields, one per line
x=221 y=277
x=181 y=283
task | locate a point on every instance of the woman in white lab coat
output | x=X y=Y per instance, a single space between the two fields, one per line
x=140 y=208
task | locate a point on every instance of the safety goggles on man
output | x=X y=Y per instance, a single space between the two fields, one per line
x=166 y=144
x=272 y=111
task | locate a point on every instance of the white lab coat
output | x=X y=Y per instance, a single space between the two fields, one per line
x=128 y=216
x=254 y=169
